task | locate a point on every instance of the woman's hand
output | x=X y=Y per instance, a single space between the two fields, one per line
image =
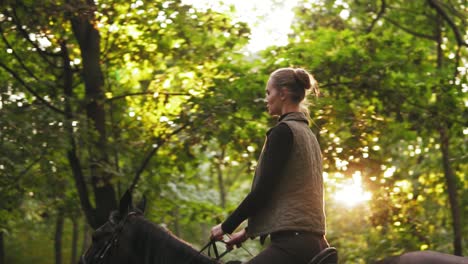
x=237 y=239
x=217 y=233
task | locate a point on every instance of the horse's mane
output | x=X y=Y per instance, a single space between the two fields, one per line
x=165 y=246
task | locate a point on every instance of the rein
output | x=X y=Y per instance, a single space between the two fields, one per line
x=209 y=245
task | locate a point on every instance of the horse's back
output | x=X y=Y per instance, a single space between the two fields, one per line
x=430 y=257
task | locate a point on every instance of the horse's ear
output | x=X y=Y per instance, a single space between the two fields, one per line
x=125 y=203
x=142 y=205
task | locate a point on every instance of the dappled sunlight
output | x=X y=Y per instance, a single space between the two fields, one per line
x=351 y=192
x=270 y=21
x=168 y=99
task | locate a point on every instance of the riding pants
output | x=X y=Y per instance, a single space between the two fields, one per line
x=290 y=247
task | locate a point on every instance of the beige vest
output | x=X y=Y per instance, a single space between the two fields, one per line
x=297 y=202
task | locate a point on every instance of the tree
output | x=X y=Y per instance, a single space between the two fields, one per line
x=100 y=96
x=76 y=48
x=91 y=73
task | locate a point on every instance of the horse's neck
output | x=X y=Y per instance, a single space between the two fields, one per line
x=162 y=247
x=189 y=254
x=201 y=259
x=181 y=253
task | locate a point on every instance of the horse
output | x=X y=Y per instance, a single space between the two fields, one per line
x=128 y=238
x=424 y=257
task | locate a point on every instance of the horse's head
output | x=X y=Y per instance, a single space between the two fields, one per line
x=106 y=240
x=128 y=238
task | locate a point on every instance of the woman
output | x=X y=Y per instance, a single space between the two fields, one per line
x=286 y=199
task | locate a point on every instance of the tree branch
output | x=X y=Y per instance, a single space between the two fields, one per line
x=143 y=93
x=22 y=82
x=145 y=162
x=25 y=34
x=379 y=16
x=25 y=170
x=460 y=41
x=417 y=34
x=453 y=10
x=17 y=57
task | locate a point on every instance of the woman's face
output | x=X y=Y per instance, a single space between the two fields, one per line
x=273 y=99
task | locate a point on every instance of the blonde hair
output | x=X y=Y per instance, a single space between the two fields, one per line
x=299 y=83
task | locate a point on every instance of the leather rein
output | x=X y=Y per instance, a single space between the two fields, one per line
x=209 y=245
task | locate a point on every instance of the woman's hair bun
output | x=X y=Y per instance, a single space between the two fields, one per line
x=303 y=78
x=297 y=80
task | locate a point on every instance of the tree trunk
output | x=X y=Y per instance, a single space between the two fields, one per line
x=58 y=237
x=2 y=249
x=74 y=245
x=72 y=156
x=219 y=172
x=175 y=214
x=86 y=238
x=450 y=177
x=88 y=38
x=451 y=181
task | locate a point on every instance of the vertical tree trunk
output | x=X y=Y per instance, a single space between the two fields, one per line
x=219 y=172
x=2 y=249
x=88 y=37
x=74 y=245
x=58 y=237
x=72 y=156
x=450 y=177
x=86 y=238
x=222 y=192
x=175 y=214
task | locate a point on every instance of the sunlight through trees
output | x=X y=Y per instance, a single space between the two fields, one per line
x=169 y=96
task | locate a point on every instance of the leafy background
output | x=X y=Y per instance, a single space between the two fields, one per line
x=97 y=95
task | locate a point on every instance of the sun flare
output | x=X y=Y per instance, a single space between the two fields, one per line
x=351 y=192
x=269 y=20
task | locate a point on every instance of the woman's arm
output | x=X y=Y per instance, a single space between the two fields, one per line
x=276 y=154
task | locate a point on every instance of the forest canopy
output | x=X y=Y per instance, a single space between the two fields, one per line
x=163 y=96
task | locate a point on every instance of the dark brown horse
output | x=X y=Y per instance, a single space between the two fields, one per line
x=128 y=238
x=424 y=257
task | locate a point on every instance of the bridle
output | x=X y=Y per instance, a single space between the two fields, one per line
x=100 y=255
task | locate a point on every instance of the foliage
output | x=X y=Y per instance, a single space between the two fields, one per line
x=393 y=92
x=183 y=111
